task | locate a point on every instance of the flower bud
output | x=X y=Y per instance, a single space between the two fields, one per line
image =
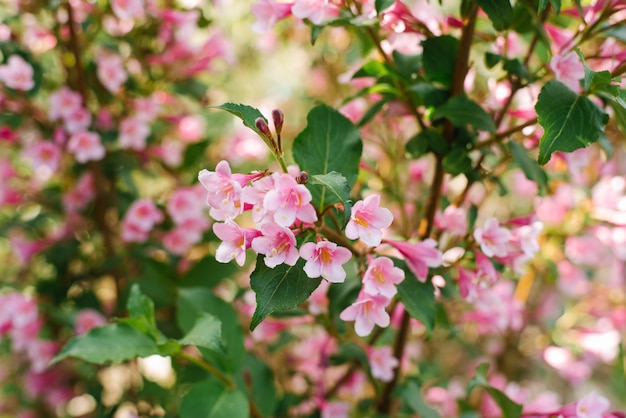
x=302 y=177
x=278 y=118
x=261 y=125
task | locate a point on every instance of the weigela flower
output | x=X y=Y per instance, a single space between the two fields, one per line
x=382 y=362
x=419 y=256
x=224 y=195
x=325 y=259
x=568 y=69
x=278 y=244
x=186 y=204
x=235 y=241
x=289 y=201
x=44 y=154
x=139 y=220
x=267 y=13
x=111 y=72
x=367 y=219
x=492 y=238
x=128 y=9
x=133 y=134
x=77 y=121
x=86 y=146
x=367 y=311
x=17 y=73
x=314 y=10
x=592 y=406
x=254 y=195
x=88 y=319
x=381 y=277
x=454 y=220
x=64 y=102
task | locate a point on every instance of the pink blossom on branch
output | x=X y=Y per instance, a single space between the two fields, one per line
x=492 y=238
x=133 y=133
x=289 y=201
x=86 y=146
x=17 y=74
x=325 y=259
x=382 y=362
x=367 y=311
x=419 y=256
x=568 y=69
x=235 y=241
x=278 y=244
x=367 y=219
x=381 y=277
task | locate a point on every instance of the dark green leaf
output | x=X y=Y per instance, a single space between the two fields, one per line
x=191 y=87
x=13 y=120
x=529 y=166
x=383 y=4
x=462 y=111
x=569 y=121
x=247 y=114
x=141 y=308
x=439 y=58
x=263 y=388
x=407 y=65
x=418 y=298
x=516 y=67
x=113 y=342
x=192 y=303
x=207 y=273
x=427 y=94
x=211 y=399
x=457 y=161
x=281 y=288
x=206 y=333
x=500 y=12
x=372 y=111
x=373 y=68
x=156 y=282
x=328 y=189
x=330 y=142
x=428 y=140
x=492 y=59
x=555 y=3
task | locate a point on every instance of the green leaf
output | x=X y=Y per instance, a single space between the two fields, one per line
x=191 y=87
x=206 y=333
x=555 y=3
x=281 y=288
x=156 y=282
x=382 y=5
x=207 y=273
x=531 y=169
x=141 y=310
x=407 y=65
x=439 y=58
x=412 y=398
x=330 y=142
x=599 y=82
x=418 y=298
x=13 y=120
x=569 y=121
x=462 y=111
x=211 y=399
x=263 y=388
x=328 y=189
x=516 y=67
x=427 y=94
x=509 y=408
x=500 y=12
x=247 y=114
x=492 y=59
x=457 y=161
x=113 y=342
x=373 y=68
x=192 y=303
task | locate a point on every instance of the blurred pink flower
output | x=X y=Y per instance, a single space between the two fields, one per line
x=191 y=128
x=64 y=102
x=128 y=9
x=77 y=120
x=133 y=133
x=88 y=319
x=186 y=204
x=43 y=154
x=382 y=362
x=86 y=146
x=325 y=259
x=17 y=73
x=568 y=69
x=314 y=10
x=592 y=406
x=492 y=238
x=111 y=72
x=453 y=220
x=267 y=13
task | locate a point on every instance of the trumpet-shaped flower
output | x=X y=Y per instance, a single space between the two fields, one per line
x=278 y=244
x=367 y=311
x=419 y=256
x=382 y=363
x=289 y=201
x=492 y=238
x=367 y=219
x=592 y=406
x=267 y=13
x=224 y=195
x=235 y=241
x=381 y=277
x=325 y=259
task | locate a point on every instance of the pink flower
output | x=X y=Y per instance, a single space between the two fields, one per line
x=224 y=192
x=278 y=244
x=111 y=72
x=186 y=204
x=128 y=9
x=267 y=13
x=367 y=219
x=139 y=220
x=64 y=102
x=592 y=406
x=367 y=311
x=17 y=74
x=335 y=410
x=382 y=363
x=568 y=69
x=44 y=154
x=178 y=241
x=77 y=121
x=381 y=277
x=88 y=319
x=191 y=128
x=133 y=134
x=526 y=237
x=40 y=353
x=84 y=191
x=86 y=146
x=255 y=195
x=289 y=201
x=235 y=242
x=492 y=238
x=325 y=259
x=453 y=220
x=314 y=10
x=419 y=256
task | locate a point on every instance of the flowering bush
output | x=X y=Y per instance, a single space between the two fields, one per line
x=444 y=235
